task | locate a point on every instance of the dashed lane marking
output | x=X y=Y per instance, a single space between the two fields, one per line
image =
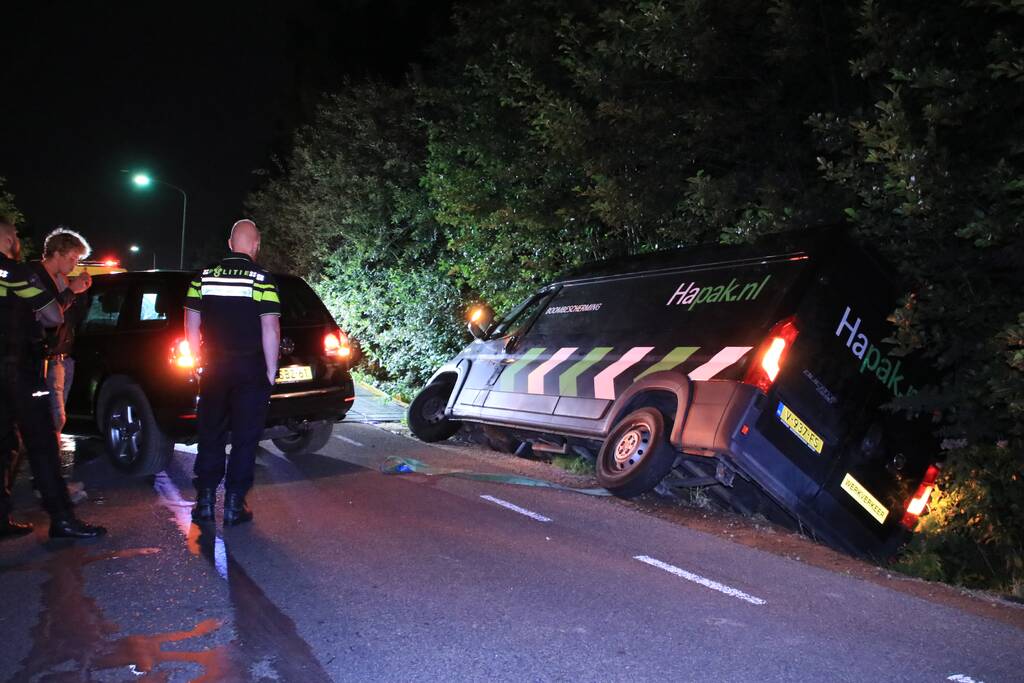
x=348 y=440
x=696 y=578
x=963 y=678
x=515 y=508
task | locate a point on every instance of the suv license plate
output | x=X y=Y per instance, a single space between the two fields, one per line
x=294 y=373
x=798 y=427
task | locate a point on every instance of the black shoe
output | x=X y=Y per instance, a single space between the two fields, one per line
x=235 y=509
x=72 y=527
x=206 y=499
x=10 y=528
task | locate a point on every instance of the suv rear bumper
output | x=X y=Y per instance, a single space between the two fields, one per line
x=178 y=419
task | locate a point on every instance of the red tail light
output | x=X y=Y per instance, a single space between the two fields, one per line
x=918 y=504
x=772 y=354
x=181 y=354
x=336 y=345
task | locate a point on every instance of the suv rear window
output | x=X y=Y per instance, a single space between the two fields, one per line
x=299 y=304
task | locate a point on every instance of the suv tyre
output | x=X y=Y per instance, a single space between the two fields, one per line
x=426 y=417
x=308 y=440
x=132 y=438
x=636 y=455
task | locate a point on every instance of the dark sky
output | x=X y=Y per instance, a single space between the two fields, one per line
x=200 y=95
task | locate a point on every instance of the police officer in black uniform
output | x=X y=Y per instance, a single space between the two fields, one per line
x=24 y=399
x=232 y=314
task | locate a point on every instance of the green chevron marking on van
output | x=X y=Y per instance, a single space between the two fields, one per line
x=567 y=380
x=675 y=357
x=508 y=377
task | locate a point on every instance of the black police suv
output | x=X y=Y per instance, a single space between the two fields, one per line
x=758 y=372
x=135 y=375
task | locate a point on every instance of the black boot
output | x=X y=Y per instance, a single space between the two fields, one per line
x=70 y=526
x=206 y=499
x=8 y=527
x=235 y=509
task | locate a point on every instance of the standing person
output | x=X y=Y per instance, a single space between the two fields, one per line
x=232 y=315
x=24 y=399
x=62 y=250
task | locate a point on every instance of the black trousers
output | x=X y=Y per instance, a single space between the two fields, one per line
x=25 y=410
x=234 y=396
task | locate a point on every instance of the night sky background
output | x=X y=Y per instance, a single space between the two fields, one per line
x=199 y=95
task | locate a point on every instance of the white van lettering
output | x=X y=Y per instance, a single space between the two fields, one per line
x=687 y=289
x=871 y=357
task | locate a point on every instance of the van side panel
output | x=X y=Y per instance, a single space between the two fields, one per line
x=595 y=338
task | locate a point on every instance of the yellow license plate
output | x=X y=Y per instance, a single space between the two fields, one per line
x=294 y=373
x=798 y=427
x=864 y=498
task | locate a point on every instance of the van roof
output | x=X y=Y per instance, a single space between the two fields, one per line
x=774 y=247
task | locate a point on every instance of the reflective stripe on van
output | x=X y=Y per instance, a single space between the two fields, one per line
x=530 y=372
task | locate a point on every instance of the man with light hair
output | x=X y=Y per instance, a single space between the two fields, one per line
x=62 y=250
x=232 y=316
x=25 y=306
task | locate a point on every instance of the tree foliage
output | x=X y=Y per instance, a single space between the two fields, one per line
x=934 y=175
x=553 y=132
x=8 y=211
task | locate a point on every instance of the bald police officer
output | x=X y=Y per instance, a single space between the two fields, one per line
x=232 y=314
x=24 y=398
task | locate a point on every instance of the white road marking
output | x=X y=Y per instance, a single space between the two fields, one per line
x=348 y=440
x=187 y=448
x=515 y=508
x=696 y=578
x=170 y=498
x=963 y=678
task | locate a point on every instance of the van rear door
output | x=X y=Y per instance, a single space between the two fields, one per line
x=825 y=410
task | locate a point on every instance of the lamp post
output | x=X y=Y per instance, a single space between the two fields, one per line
x=135 y=249
x=144 y=180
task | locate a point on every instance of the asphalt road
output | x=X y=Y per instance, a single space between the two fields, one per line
x=351 y=574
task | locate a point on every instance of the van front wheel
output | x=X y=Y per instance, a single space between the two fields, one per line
x=636 y=455
x=427 y=420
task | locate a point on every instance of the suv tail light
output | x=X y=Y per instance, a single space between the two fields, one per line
x=772 y=354
x=181 y=354
x=917 y=504
x=336 y=345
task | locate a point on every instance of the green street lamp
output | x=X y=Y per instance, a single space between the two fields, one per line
x=144 y=180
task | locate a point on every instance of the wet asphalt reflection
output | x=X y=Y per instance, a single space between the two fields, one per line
x=76 y=639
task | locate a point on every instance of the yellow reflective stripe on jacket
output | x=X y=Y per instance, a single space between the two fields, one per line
x=28 y=292
x=265 y=295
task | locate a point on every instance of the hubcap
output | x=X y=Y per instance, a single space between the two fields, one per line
x=125 y=432
x=630 y=448
x=433 y=409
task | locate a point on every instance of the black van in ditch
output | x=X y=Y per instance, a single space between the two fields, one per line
x=136 y=380
x=756 y=371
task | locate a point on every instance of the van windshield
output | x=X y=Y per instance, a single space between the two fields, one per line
x=520 y=316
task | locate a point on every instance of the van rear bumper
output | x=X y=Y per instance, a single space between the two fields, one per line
x=808 y=501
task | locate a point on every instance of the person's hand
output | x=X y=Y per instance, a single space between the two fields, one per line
x=80 y=283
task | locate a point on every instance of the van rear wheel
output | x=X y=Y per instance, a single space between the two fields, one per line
x=427 y=420
x=636 y=455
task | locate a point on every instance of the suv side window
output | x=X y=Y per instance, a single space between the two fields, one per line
x=148 y=307
x=104 y=312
